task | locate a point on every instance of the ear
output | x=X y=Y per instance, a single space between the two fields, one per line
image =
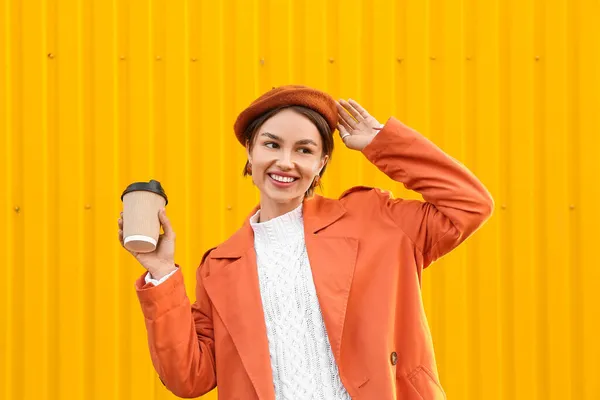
x=323 y=163
x=248 y=153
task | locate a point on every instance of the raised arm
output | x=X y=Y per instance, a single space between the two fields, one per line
x=455 y=202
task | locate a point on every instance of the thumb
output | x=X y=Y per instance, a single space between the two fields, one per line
x=166 y=224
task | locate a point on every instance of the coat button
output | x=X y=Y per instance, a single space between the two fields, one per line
x=394 y=358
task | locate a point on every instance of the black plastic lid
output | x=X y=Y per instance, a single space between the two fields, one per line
x=152 y=186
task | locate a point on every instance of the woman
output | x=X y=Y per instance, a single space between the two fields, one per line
x=314 y=298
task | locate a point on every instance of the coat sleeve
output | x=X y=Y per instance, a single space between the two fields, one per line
x=455 y=202
x=180 y=335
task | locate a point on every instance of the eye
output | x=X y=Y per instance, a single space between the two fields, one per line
x=305 y=150
x=271 y=145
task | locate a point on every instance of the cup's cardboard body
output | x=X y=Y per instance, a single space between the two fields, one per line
x=141 y=225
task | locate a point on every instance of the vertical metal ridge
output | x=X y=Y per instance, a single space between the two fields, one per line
x=11 y=84
x=114 y=24
x=553 y=62
x=218 y=59
x=46 y=320
x=588 y=66
x=53 y=132
x=504 y=212
x=230 y=168
x=577 y=269
x=5 y=197
x=126 y=58
x=542 y=318
x=17 y=284
x=156 y=59
x=186 y=127
x=90 y=207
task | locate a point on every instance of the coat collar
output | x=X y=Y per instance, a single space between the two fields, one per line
x=318 y=213
x=234 y=290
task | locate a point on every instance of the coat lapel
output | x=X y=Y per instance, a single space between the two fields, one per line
x=234 y=292
x=332 y=260
x=234 y=288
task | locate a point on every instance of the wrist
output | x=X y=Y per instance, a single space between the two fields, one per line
x=160 y=272
x=366 y=142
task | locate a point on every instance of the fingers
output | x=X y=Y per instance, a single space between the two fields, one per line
x=359 y=109
x=121 y=232
x=353 y=111
x=344 y=124
x=343 y=132
x=120 y=223
x=345 y=119
x=166 y=224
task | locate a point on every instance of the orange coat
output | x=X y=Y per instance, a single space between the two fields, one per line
x=366 y=251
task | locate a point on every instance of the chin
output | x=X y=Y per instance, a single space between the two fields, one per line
x=283 y=197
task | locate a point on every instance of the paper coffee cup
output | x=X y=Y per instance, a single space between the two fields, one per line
x=142 y=202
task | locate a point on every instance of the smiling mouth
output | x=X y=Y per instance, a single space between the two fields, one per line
x=282 y=179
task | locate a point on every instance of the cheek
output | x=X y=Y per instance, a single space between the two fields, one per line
x=310 y=169
x=258 y=170
x=259 y=161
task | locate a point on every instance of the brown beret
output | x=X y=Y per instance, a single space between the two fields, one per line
x=290 y=95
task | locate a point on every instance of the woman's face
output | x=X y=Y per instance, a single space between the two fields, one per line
x=286 y=157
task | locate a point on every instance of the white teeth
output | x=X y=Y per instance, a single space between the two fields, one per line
x=282 y=178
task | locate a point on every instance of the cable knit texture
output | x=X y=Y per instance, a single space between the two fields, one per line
x=301 y=358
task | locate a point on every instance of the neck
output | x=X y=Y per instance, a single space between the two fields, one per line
x=270 y=209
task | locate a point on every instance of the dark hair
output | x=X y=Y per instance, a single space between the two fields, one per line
x=315 y=117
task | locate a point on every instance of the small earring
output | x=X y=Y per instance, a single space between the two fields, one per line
x=316 y=181
x=249 y=169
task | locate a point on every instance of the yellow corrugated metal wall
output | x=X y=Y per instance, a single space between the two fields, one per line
x=97 y=94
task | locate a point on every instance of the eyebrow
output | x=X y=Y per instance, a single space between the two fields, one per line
x=275 y=137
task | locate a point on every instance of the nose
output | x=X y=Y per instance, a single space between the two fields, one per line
x=285 y=162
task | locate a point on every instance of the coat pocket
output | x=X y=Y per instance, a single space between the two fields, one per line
x=426 y=384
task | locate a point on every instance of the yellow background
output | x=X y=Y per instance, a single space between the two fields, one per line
x=97 y=94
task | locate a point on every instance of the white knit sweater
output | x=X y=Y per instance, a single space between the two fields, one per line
x=301 y=358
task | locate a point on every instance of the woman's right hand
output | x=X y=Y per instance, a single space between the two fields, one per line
x=161 y=261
